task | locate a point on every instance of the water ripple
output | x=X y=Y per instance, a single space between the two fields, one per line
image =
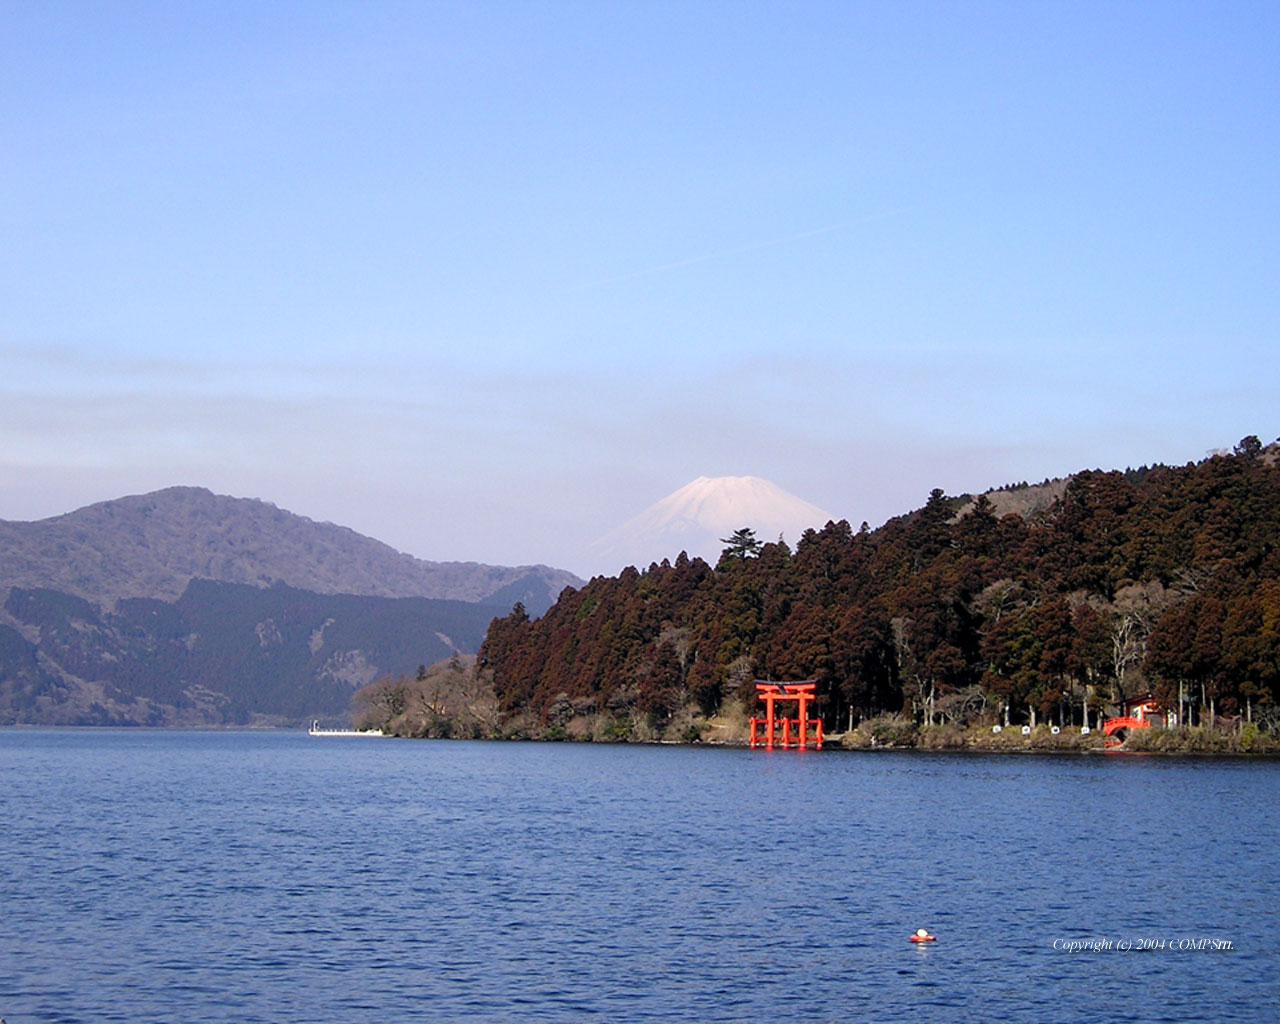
x=268 y=877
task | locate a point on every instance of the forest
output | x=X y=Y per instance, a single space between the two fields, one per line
x=1164 y=579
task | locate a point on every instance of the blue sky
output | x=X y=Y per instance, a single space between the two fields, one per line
x=483 y=280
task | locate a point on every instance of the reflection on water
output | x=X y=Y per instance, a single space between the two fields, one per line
x=272 y=877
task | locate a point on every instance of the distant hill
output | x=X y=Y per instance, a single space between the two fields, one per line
x=184 y=607
x=153 y=545
x=695 y=518
x=221 y=654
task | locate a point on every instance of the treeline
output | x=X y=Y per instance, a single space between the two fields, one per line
x=1164 y=580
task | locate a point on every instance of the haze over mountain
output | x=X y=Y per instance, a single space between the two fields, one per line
x=695 y=518
x=153 y=545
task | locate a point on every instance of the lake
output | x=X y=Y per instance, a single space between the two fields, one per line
x=272 y=877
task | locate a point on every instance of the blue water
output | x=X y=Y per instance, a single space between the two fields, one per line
x=243 y=877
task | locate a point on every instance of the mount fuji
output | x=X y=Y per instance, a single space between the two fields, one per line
x=696 y=517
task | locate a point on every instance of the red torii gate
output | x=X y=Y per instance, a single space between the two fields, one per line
x=801 y=693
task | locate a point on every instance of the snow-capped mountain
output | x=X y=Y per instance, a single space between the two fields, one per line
x=696 y=518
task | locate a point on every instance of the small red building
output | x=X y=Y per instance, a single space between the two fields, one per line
x=1145 y=708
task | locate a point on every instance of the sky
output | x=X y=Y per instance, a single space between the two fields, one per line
x=485 y=280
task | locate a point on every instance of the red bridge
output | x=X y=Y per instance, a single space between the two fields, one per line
x=1136 y=712
x=1110 y=725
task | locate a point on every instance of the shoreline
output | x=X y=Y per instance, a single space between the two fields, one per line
x=892 y=731
x=1222 y=745
x=1180 y=742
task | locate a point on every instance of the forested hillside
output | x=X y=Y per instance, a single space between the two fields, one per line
x=222 y=654
x=1163 y=579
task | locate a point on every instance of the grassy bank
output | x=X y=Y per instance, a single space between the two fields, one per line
x=896 y=732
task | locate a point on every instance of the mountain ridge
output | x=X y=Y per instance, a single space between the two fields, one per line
x=152 y=545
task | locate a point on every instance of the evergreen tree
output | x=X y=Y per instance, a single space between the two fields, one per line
x=742 y=545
